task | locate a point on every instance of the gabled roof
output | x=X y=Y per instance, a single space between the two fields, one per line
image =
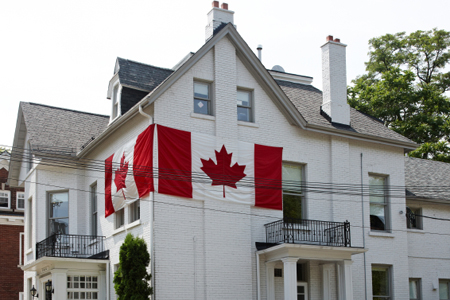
x=308 y=100
x=141 y=76
x=61 y=130
x=427 y=179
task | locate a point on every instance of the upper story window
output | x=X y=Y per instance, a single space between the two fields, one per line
x=244 y=106
x=379 y=214
x=202 y=98
x=292 y=191
x=94 y=215
x=115 y=101
x=58 y=220
x=5 y=199
x=413 y=218
x=120 y=218
x=414 y=289
x=20 y=200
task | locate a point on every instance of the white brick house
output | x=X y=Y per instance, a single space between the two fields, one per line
x=204 y=249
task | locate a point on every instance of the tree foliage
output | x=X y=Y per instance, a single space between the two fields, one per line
x=405 y=86
x=131 y=278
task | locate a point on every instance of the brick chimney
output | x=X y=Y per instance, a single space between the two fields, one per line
x=217 y=16
x=334 y=80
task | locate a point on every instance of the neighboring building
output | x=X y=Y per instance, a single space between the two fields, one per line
x=342 y=236
x=428 y=223
x=11 y=237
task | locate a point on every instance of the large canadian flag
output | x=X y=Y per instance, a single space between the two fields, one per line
x=203 y=167
x=129 y=172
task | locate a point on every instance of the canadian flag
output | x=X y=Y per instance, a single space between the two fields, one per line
x=129 y=172
x=202 y=167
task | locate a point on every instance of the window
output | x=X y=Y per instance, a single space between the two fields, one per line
x=244 y=106
x=444 y=289
x=414 y=289
x=381 y=283
x=414 y=218
x=4 y=199
x=29 y=217
x=378 y=203
x=135 y=211
x=202 y=98
x=292 y=191
x=120 y=218
x=20 y=201
x=82 y=287
x=59 y=213
x=115 y=102
x=93 y=196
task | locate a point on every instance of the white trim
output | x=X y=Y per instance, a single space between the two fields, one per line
x=17 y=201
x=248 y=124
x=202 y=116
x=291 y=77
x=116 y=101
x=8 y=195
x=22 y=234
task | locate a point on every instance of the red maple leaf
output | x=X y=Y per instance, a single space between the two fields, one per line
x=121 y=174
x=223 y=173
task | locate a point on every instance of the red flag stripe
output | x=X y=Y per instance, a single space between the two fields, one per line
x=143 y=161
x=174 y=162
x=109 y=208
x=268 y=177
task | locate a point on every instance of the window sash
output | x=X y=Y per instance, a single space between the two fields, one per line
x=202 y=97
x=414 y=289
x=135 y=211
x=94 y=209
x=120 y=218
x=244 y=106
x=381 y=282
x=20 y=200
x=444 y=289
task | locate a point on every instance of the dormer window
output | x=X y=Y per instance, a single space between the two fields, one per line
x=115 y=101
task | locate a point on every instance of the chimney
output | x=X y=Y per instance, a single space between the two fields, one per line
x=334 y=80
x=259 y=52
x=217 y=16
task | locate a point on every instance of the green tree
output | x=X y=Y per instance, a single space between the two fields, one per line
x=131 y=278
x=405 y=87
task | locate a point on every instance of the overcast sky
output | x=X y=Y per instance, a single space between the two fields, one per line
x=62 y=53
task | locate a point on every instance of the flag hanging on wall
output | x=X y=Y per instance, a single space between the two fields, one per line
x=129 y=172
x=200 y=166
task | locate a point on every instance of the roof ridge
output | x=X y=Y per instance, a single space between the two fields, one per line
x=148 y=65
x=66 y=109
x=427 y=160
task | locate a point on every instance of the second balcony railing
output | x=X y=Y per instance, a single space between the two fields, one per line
x=71 y=245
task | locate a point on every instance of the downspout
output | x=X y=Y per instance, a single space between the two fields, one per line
x=258 y=278
x=141 y=111
x=108 y=278
x=363 y=226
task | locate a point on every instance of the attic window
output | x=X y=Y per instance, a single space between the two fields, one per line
x=115 y=102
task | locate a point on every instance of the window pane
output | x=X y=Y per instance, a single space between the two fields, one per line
x=243 y=98
x=380 y=281
x=377 y=217
x=201 y=90
x=60 y=226
x=201 y=106
x=377 y=189
x=443 y=290
x=59 y=205
x=413 y=289
x=243 y=114
x=292 y=178
x=292 y=207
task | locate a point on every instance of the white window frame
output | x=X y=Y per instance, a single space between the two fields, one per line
x=116 y=101
x=389 y=282
x=444 y=282
x=385 y=204
x=300 y=194
x=418 y=288
x=249 y=107
x=209 y=99
x=81 y=290
x=5 y=194
x=49 y=193
x=22 y=194
x=134 y=211
x=119 y=218
x=93 y=199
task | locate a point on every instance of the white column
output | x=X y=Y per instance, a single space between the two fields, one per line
x=270 y=280
x=102 y=285
x=327 y=270
x=59 y=283
x=345 y=286
x=290 y=278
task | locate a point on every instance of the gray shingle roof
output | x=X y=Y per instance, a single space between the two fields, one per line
x=141 y=76
x=308 y=99
x=427 y=179
x=59 y=130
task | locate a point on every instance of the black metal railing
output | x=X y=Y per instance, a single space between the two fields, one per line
x=70 y=245
x=302 y=231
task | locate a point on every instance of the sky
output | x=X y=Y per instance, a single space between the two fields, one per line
x=62 y=53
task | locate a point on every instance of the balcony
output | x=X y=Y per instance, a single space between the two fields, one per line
x=312 y=232
x=72 y=246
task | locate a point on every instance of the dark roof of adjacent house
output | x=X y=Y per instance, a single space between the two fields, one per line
x=141 y=76
x=427 y=179
x=59 y=130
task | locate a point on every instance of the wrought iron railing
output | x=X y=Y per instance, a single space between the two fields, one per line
x=70 y=245
x=302 y=231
